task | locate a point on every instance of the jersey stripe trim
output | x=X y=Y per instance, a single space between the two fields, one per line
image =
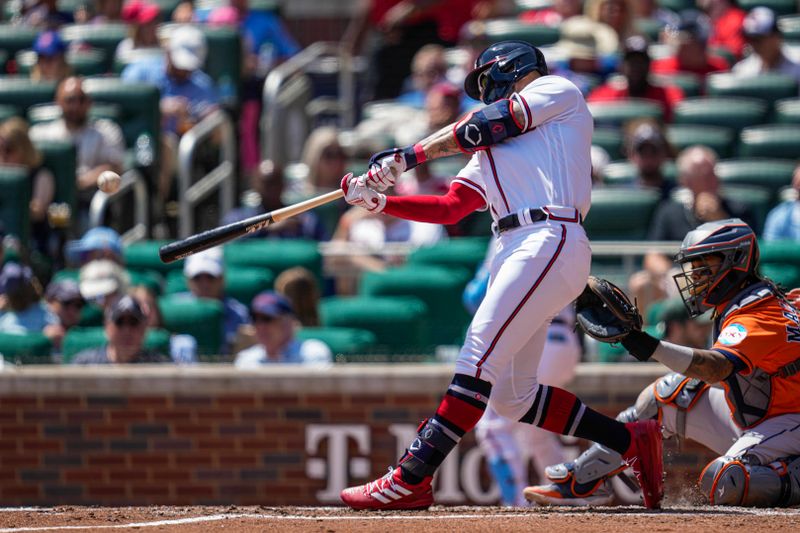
x=527 y=113
x=497 y=179
x=514 y=117
x=524 y=299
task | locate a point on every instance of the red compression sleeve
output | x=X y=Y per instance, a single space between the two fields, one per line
x=459 y=201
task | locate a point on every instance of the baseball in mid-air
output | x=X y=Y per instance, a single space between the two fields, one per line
x=108 y=181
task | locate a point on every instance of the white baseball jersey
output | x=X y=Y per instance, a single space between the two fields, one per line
x=547 y=165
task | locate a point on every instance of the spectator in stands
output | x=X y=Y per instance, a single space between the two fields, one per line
x=269 y=183
x=51 y=58
x=648 y=150
x=99 y=142
x=182 y=347
x=600 y=160
x=23 y=310
x=103 y=282
x=299 y=286
x=783 y=221
x=205 y=276
x=17 y=149
x=616 y=13
x=187 y=93
x=65 y=302
x=689 y=37
x=553 y=15
x=125 y=326
x=275 y=324
x=428 y=68
x=590 y=50
x=726 y=25
x=680 y=328
x=650 y=9
x=97 y=243
x=761 y=30
x=106 y=11
x=43 y=14
x=325 y=159
x=143 y=18
x=636 y=80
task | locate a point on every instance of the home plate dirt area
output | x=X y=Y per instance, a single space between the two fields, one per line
x=438 y=519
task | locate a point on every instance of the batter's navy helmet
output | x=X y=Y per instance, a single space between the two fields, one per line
x=499 y=67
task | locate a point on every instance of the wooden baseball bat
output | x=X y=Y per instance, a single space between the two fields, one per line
x=213 y=237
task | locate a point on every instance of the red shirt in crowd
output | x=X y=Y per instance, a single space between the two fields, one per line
x=727 y=31
x=667 y=96
x=670 y=65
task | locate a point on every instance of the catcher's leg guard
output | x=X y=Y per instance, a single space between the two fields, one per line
x=736 y=481
x=680 y=392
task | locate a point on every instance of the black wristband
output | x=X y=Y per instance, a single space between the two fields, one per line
x=640 y=344
x=410 y=155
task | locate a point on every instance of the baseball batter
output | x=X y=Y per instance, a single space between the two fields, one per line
x=530 y=167
x=751 y=417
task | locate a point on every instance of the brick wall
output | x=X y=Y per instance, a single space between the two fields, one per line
x=210 y=434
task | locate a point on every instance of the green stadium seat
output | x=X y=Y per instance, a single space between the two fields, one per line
x=224 y=61
x=439 y=287
x=79 y=339
x=609 y=139
x=768 y=87
x=690 y=84
x=22 y=92
x=620 y=213
x=143 y=255
x=719 y=139
x=16 y=37
x=786 y=275
x=83 y=62
x=462 y=252
x=758 y=199
x=91 y=316
x=104 y=37
x=241 y=283
x=619 y=112
x=772 y=174
x=276 y=255
x=14 y=210
x=60 y=158
x=166 y=7
x=200 y=318
x=787 y=111
x=781 y=141
x=513 y=29
x=676 y=5
x=25 y=348
x=779 y=252
x=50 y=111
x=624 y=172
x=8 y=111
x=150 y=279
x=342 y=341
x=780 y=7
x=790 y=27
x=736 y=113
x=398 y=323
x=649 y=27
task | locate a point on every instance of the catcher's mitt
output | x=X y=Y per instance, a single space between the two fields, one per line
x=606 y=313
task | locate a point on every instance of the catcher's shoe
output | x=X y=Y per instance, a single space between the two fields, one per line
x=390 y=493
x=566 y=491
x=645 y=458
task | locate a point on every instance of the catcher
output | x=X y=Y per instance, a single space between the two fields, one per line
x=740 y=398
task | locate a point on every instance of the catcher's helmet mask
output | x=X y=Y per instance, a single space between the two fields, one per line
x=704 y=286
x=499 y=67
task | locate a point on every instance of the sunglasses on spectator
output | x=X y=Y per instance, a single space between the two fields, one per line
x=263 y=318
x=74 y=303
x=127 y=321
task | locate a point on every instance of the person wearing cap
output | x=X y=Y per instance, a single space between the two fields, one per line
x=783 y=221
x=51 y=58
x=688 y=35
x=42 y=14
x=275 y=324
x=647 y=149
x=726 y=24
x=103 y=282
x=23 y=310
x=125 y=326
x=143 y=18
x=635 y=81
x=99 y=142
x=589 y=49
x=765 y=39
x=205 y=277
x=680 y=328
x=64 y=301
x=97 y=243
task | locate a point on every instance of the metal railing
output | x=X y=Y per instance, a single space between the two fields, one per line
x=288 y=105
x=219 y=179
x=132 y=181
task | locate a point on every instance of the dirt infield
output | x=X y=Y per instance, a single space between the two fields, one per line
x=438 y=519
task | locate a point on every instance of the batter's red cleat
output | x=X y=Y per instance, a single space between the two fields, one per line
x=390 y=493
x=645 y=458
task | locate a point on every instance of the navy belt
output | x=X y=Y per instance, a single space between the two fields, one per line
x=536 y=214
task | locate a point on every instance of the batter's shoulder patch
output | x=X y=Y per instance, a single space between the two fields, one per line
x=732 y=335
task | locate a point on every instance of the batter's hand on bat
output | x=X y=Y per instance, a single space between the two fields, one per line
x=356 y=192
x=385 y=167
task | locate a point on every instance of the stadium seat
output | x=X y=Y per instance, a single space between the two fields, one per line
x=790 y=27
x=677 y=5
x=772 y=174
x=88 y=62
x=79 y=339
x=241 y=283
x=224 y=61
x=14 y=210
x=25 y=348
x=398 y=323
x=768 y=87
x=61 y=159
x=780 y=261
x=342 y=341
x=512 y=29
x=8 y=111
x=276 y=255
x=758 y=199
x=147 y=278
x=22 y=92
x=787 y=111
x=780 y=7
x=50 y=111
x=610 y=140
x=735 y=113
x=439 y=287
x=781 y=141
x=690 y=84
x=719 y=139
x=462 y=252
x=166 y=7
x=200 y=318
x=16 y=37
x=104 y=37
x=619 y=112
x=787 y=275
x=620 y=213
x=143 y=255
x=649 y=27
x=91 y=316
x=624 y=172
